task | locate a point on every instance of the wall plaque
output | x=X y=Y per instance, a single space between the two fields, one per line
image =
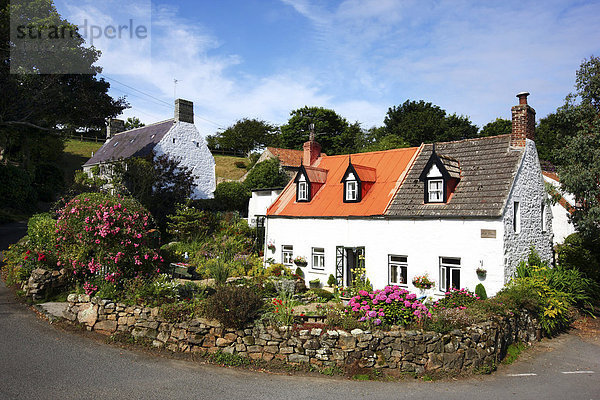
x=488 y=233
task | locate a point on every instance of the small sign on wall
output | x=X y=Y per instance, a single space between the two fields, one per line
x=488 y=233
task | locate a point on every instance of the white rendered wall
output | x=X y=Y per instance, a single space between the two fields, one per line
x=191 y=151
x=423 y=241
x=561 y=226
x=259 y=202
x=529 y=190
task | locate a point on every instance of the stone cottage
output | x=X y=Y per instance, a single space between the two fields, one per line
x=178 y=138
x=445 y=210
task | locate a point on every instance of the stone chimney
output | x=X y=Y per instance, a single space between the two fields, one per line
x=312 y=149
x=184 y=111
x=114 y=126
x=523 y=122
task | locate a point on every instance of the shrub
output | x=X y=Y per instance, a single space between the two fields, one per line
x=178 y=312
x=267 y=174
x=16 y=191
x=41 y=231
x=331 y=281
x=577 y=253
x=233 y=306
x=232 y=196
x=393 y=305
x=322 y=294
x=239 y=164
x=189 y=223
x=446 y=320
x=109 y=234
x=456 y=298
x=480 y=291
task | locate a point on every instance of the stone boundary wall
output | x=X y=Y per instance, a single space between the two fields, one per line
x=407 y=350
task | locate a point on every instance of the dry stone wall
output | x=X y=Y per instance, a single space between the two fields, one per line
x=407 y=350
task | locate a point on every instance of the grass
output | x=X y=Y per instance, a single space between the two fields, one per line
x=226 y=169
x=512 y=353
x=76 y=154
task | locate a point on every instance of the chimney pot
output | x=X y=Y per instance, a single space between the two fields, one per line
x=523 y=97
x=184 y=111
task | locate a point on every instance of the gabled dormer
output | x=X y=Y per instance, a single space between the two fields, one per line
x=440 y=177
x=308 y=181
x=357 y=180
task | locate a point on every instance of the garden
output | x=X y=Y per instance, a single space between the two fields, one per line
x=108 y=247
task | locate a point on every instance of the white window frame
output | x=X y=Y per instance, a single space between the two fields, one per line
x=287 y=254
x=318 y=258
x=400 y=265
x=351 y=190
x=302 y=190
x=439 y=192
x=517 y=217
x=448 y=269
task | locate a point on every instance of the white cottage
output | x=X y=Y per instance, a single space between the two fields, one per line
x=177 y=138
x=444 y=210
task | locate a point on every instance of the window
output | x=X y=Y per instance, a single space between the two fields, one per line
x=544 y=225
x=351 y=191
x=173 y=140
x=436 y=190
x=398 y=268
x=287 y=254
x=318 y=258
x=302 y=191
x=449 y=273
x=516 y=217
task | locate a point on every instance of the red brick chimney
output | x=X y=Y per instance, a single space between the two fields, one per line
x=312 y=149
x=523 y=122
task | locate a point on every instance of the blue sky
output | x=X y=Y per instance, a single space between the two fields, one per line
x=263 y=58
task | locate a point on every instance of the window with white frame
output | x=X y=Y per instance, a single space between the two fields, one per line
x=302 y=191
x=398 y=269
x=516 y=217
x=449 y=273
x=318 y=258
x=351 y=190
x=287 y=254
x=435 y=190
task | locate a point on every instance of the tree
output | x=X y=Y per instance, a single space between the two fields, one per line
x=232 y=196
x=579 y=159
x=551 y=133
x=49 y=101
x=497 y=127
x=266 y=174
x=420 y=122
x=133 y=122
x=245 y=135
x=332 y=131
x=158 y=183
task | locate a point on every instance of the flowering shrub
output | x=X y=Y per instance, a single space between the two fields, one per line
x=456 y=298
x=392 y=305
x=109 y=235
x=423 y=282
x=281 y=309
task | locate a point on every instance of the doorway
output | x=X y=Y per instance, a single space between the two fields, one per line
x=347 y=259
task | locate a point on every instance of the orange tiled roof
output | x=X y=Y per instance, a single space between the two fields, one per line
x=287 y=157
x=389 y=168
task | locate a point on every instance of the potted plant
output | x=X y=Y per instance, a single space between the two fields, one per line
x=300 y=261
x=481 y=272
x=423 y=282
x=315 y=283
x=271 y=246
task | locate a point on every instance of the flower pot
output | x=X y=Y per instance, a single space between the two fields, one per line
x=300 y=264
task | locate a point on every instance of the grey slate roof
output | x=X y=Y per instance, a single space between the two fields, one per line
x=137 y=142
x=487 y=166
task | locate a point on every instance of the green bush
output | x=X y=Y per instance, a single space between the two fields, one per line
x=234 y=306
x=41 y=231
x=48 y=181
x=189 y=223
x=16 y=190
x=181 y=311
x=331 y=281
x=455 y=298
x=480 y=291
x=577 y=253
x=322 y=294
x=232 y=196
x=267 y=174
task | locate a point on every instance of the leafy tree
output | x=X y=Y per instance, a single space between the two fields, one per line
x=266 y=174
x=333 y=132
x=579 y=159
x=133 y=122
x=158 y=183
x=498 y=127
x=245 y=135
x=232 y=196
x=49 y=102
x=420 y=122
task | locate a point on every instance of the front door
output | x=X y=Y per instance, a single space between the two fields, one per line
x=347 y=259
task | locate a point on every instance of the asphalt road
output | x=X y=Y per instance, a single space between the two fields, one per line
x=38 y=361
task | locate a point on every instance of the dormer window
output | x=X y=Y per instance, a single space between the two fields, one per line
x=357 y=180
x=308 y=182
x=440 y=177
